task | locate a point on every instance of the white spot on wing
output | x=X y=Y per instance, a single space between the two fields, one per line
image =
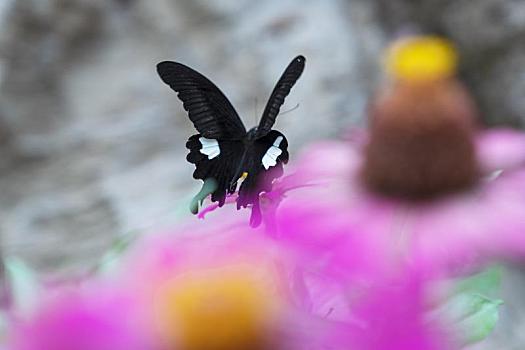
x=210 y=147
x=270 y=157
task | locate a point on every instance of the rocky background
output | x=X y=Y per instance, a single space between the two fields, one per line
x=92 y=142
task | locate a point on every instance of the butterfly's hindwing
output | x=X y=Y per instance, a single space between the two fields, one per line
x=266 y=158
x=274 y=149
x=269 y=159
x=215 y=159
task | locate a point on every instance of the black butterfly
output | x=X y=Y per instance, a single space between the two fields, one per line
x=223 y=150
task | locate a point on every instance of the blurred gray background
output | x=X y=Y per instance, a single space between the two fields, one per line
x=92 y=142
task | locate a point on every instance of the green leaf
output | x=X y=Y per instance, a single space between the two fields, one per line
x=474 y=306
x=487 y=282
x=482 y=320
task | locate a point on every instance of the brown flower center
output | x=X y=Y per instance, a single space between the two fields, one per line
x=421 y=141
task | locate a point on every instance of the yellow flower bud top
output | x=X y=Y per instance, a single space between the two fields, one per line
x=421 y=58
x=223 y=309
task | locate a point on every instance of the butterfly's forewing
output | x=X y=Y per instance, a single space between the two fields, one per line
x=279 y=93
x=214 y=159
x=210 y=111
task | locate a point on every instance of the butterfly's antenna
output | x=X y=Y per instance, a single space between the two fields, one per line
x=290 y=110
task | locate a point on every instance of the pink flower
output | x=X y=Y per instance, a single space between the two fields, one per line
x=220 y=286
x=452 y=231
x=369 y=259
x=91 y=319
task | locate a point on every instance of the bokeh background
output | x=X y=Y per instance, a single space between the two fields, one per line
x=92 y=142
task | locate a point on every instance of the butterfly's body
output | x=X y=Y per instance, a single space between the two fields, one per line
x=223 y=149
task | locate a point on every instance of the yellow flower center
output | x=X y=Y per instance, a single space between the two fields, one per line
x=223 y=309
x=421 y=58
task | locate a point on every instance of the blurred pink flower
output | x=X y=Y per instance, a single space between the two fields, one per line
x=91 y=319
x=443 y=234
x=246 y=276
x=367 y=260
